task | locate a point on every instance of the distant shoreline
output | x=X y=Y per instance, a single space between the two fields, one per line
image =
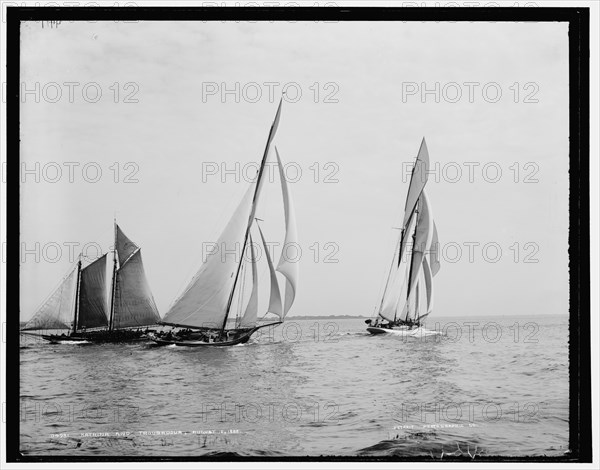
x=350 y=317
x=301 y=317
x=324 y=317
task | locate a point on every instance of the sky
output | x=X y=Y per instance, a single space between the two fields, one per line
x=491 y=99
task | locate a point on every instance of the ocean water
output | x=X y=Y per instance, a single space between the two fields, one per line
x=488 y=386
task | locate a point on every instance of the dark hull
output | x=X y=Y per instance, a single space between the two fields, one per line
x=241 y=338
x=99 y=337
x=376 y=331
x=199 y=343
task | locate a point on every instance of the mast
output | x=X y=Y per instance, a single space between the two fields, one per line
x=399 y=244
x=238 y=315
x=252 y=211
x=412 y=174
x=76 y=312
x=417 y=301
x=412 y=260
x=114 y=279
x=409 y=212
x=404 y=230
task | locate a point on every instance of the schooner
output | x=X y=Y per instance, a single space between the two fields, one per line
x=91 y=311
x=407 y=297
x=203 y=313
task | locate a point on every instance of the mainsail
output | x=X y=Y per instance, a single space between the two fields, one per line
x=206 y=301
x=418 y=179
x=133 y=304
x=203 y=303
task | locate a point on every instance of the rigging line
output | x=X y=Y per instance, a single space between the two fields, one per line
x=113 y=280
x=272 y=131
x=53 y=291
x=241 y=293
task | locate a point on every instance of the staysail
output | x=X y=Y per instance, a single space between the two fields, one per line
x=395 y=293
x=428 y=288
x=251 y=313
x=275 y=305
x=56 y=313
x=435 y=252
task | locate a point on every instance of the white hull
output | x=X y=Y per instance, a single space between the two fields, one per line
x=403 y=331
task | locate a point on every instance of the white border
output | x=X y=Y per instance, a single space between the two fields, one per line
x=594 y=211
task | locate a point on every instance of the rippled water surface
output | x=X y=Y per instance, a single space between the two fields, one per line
x=311 y=387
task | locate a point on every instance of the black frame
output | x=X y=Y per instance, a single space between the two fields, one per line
x=580 y=422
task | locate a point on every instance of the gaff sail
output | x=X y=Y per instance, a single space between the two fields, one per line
x=82 y=299
x=134 y=304
x=93 y=295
